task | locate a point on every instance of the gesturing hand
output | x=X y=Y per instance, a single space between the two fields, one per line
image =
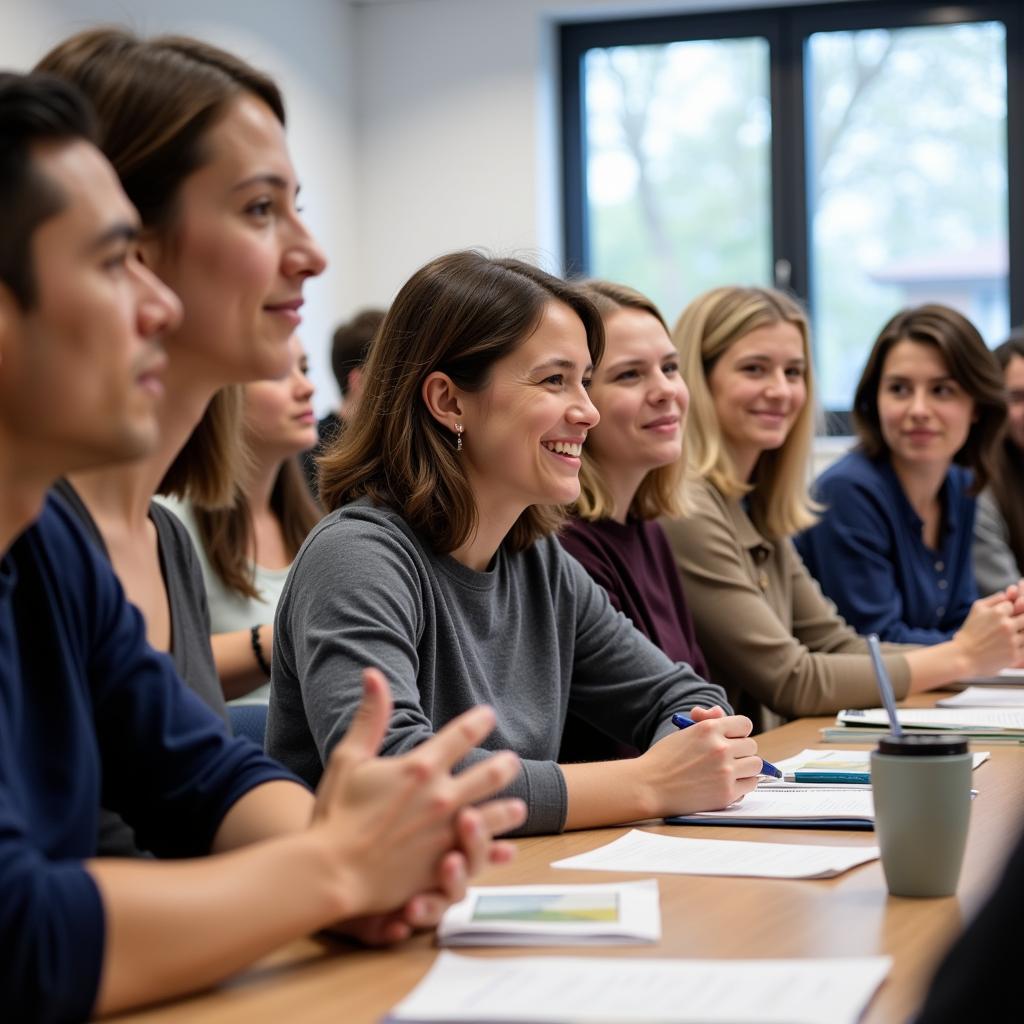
x=399 y=830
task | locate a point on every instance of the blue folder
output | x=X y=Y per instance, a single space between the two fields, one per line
x=846 y=824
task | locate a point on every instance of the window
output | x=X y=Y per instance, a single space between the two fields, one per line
x=678 y=152
x=857 y=154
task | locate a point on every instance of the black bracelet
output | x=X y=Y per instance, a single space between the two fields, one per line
x=257 y=650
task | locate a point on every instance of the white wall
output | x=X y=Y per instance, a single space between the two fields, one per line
x=456 y=128
x=306 y=46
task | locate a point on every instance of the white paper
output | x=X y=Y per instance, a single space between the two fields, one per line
x=544 y=915
x=598 y=990
x=830 y=760
x=795 y=802
x=647 y=852
x=997 y=719
x=986 y=697
x=833 y=760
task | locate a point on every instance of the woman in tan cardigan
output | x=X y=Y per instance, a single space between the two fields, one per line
x=769 y=635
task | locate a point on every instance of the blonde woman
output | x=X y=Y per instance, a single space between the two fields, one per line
x=769 y=635
x=631 y=473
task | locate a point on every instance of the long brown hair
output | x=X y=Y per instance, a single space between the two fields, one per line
x=459 y=314
x=228 y=537
x=1007 y=482
x=971 y=365
x=155 y=100
x=661 y=491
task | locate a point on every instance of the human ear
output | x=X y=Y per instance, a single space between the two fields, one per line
x=442 y=399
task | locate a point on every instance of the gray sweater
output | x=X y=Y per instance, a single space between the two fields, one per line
x=995 y=567
x=533 y=636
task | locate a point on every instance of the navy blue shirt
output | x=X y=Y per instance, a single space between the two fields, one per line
x=89 y=715
x=869 y=556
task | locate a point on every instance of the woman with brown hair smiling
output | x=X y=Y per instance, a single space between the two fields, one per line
x=197 y=139
x=892 y=548
x=439 y=564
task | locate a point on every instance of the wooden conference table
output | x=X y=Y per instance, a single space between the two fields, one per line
x=312 y=981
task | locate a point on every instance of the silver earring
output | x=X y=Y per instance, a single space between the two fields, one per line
x=458 y=437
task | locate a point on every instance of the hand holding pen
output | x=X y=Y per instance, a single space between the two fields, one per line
x=707 y=766
x=767 y=768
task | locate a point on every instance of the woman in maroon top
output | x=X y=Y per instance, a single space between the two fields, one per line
x=632 y=473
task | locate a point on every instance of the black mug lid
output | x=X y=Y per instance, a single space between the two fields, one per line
x=923 y=745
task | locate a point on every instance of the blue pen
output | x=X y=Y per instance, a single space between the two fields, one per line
x=884 y=684
x=767 y=768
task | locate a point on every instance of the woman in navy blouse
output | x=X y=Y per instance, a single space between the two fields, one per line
x=893 y=546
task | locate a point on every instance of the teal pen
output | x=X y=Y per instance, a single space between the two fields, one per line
x=832 y=778
x=767 y=768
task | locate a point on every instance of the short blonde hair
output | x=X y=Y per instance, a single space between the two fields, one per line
x=661 y=492
x=780 y=504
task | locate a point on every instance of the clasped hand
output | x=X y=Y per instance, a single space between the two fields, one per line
x=992 y=636
x=403 y=830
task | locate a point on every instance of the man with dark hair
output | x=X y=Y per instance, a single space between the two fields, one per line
x=90 y=714
x=31 y=197
x=350 y=347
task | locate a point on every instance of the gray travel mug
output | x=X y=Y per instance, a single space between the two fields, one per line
x=922 y=793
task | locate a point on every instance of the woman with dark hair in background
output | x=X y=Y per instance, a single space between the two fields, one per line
x=999 y=522
x=439 y=564
x=246 y=550
x=892 y=548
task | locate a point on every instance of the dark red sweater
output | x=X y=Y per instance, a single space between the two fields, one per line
x=635 y=565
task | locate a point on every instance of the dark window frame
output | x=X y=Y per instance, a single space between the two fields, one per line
x=786 y=30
